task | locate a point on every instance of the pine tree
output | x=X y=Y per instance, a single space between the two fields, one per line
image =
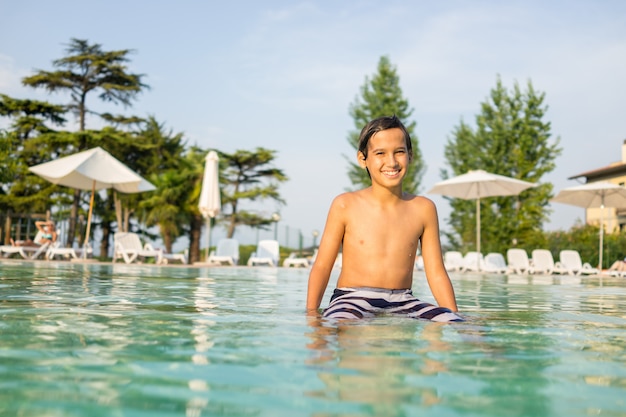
x=248 y=176
x=511 y=138
x=87 y=69
x=381 y=95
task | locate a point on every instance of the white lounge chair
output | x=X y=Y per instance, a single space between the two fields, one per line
x=7 y=250
x=27 y=252
x=570 y=259
x=543 y=263
x=56 y=249
x=226 y=253
x=295 y=261
x=453 y=260
x=183 y=258
x=127 y=246
x=494 y=262
x=267 y=253
x=473 y=261
x=518 y=261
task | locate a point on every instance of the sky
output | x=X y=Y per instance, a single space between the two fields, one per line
x=282 y=75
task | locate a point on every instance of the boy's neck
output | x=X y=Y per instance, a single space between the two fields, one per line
x=387 y=194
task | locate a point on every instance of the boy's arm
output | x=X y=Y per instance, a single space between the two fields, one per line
x=436 y=273
x=326 y=256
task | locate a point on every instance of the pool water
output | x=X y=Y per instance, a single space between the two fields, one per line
x=129 y=340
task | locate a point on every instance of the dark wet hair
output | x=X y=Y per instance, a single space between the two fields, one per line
x=380 y=124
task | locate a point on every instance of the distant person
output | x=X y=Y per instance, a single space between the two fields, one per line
x=618 y=267
x=379 y=229
x=47 y=231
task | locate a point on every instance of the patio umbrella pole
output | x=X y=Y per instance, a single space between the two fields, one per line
x=478 y=233
x=601 y=232
x=88 y=231
x=208 y=237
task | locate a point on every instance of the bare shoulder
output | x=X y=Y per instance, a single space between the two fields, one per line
x=421 y=202
x=347 y=199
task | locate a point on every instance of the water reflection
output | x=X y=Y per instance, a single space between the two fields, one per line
x=384 y=365
x=205 y=302
x=118 y=340
x=510 y=357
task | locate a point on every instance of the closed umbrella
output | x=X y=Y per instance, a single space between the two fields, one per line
x=94 y=169
x=476 y=185
x=594 y=194
x=210 y=202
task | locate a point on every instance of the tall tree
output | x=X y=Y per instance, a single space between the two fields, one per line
x=30 y=139
x=248 y=176
x=86 y=69
x=192 y=174
x=511 y=138
x=161 y=159
x=381 y=95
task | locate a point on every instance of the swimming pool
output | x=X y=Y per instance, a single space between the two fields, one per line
x=118 y=340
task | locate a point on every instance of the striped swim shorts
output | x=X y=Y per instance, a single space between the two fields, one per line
x=357 y=303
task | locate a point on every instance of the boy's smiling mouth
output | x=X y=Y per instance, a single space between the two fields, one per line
x=391 y=173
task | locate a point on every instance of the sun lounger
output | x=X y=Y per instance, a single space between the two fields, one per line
x=473 y=262
x=127 y=246
x=267 y=253
x=56 y=249
x=543 y=263
x=494 y=262
x=453 y=260
x=518 y=261
x=7 y=250
x=295 y=261
x=183 y=258
x=571 y=260
x=226 y=253
x=27 y=252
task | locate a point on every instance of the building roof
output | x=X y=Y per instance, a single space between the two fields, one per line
x=605 y=173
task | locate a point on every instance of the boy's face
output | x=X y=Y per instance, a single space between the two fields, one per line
x=387 y=157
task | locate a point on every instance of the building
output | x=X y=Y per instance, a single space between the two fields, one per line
x=614 y=219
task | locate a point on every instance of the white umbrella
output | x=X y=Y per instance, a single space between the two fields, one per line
x=210 y=202
x=594 y=194
x=94 y=169
x=476 y=185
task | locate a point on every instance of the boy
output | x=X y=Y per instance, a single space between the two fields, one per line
x=380 y=228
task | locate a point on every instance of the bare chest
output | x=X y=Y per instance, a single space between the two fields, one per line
x=379 y=228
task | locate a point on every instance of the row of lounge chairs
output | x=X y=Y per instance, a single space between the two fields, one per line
x=128 y=248
x=518 y=262
x=267 y=253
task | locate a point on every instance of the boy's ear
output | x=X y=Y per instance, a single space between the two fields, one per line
x=361 y=159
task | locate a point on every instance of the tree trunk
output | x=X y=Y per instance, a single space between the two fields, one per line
x=167 y=241
x=104 y=244
x=71 y=229
x=195 y=229
x=231 y=229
